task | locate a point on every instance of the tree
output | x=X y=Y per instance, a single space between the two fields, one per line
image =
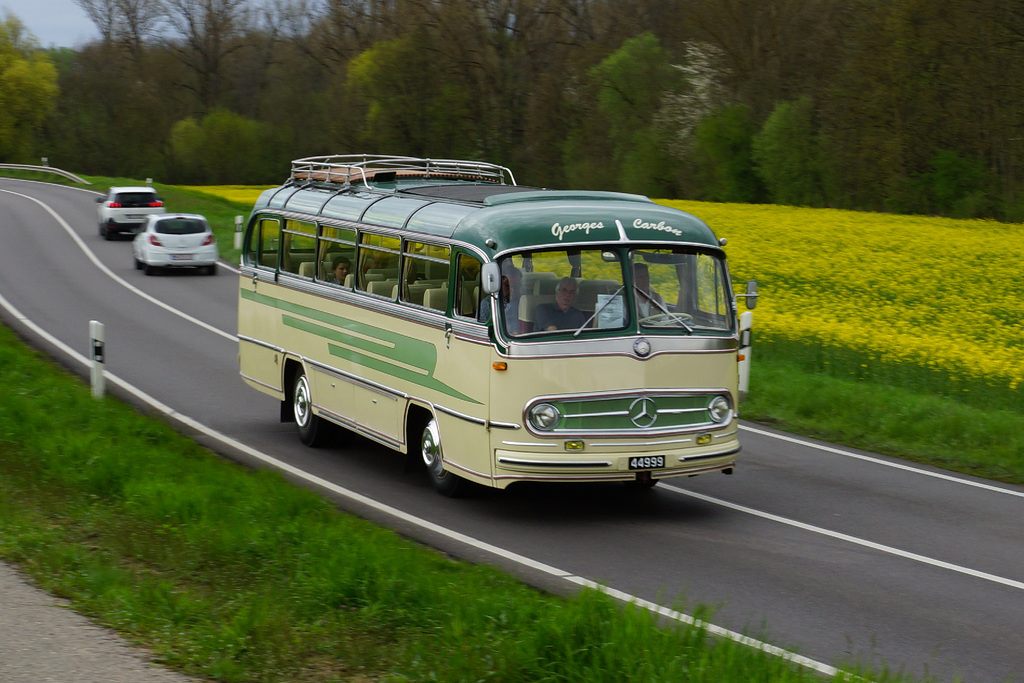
x=632 y=83
x=224 y=148
x=28 y=91
x=723 y=156
x=209 y=31
x=787 y=155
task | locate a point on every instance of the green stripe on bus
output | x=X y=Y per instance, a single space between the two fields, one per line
x=359 y=340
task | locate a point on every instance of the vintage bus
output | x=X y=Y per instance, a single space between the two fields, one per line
x=501 y=333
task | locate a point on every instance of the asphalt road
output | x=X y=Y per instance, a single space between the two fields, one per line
x=835 y=554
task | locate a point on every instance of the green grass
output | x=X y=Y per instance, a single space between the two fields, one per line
x=934 y=430
x=238 y=575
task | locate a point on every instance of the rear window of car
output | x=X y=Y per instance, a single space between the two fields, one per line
x=180 y=226
x=135 y=198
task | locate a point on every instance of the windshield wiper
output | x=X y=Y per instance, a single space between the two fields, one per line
x=598 y=311
x=674 y=316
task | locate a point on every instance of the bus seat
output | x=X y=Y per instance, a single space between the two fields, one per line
x=527 y=304
x=532 y=282
x=307 y=268
x=381 y=287
x=350 y=280
x=394 y=291
x=436 y=298
x=416 y=291
x=268 y=260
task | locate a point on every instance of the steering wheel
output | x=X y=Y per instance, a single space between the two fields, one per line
x=666 y=319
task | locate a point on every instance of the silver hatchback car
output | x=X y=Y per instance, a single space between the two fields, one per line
x=176 y=240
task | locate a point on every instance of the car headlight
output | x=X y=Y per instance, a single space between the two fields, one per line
x=543 y=416
x=719 y=409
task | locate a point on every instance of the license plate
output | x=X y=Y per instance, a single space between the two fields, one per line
x=181 y=257
x=135 y=217
x=647 y=462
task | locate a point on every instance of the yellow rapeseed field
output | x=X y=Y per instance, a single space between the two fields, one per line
x=941 y=294
x=243 y=194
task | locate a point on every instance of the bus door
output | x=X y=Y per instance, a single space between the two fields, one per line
x=258 y=360
x=464 y=371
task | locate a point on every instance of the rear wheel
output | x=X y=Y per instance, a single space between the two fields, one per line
x=444 y=481
x=313 y=431
x=104 y=233
x=150 y=270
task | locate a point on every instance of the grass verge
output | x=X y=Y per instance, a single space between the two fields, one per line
x=237 y=575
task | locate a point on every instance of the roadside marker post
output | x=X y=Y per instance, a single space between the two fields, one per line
x=97 y=356
x=238 y=232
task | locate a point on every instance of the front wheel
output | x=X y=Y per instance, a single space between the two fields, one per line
x=312 y=429
x=444 y=481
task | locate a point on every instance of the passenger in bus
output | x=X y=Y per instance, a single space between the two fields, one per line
x=340 y=267
x=562 y=314
x=508 y=297
x=648 y=301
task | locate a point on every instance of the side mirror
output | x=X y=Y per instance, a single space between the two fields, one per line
x=751 y=294
x=100 y=200
x=490 y=277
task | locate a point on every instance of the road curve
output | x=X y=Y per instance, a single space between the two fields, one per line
x=836 y=554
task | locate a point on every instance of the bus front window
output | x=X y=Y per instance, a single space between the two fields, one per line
x=677 y=290
x=562 y=291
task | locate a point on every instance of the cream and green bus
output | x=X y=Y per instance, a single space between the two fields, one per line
x=500 y=333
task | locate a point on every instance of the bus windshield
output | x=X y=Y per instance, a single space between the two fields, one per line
x=595 y=291
x=672 y=289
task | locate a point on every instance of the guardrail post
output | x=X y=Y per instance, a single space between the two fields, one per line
x=97 y=355
x=746 y=323
x=238 y=232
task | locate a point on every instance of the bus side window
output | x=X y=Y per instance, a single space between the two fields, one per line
x=467 y=292
x=266 y=241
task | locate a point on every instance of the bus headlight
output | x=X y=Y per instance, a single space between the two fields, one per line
x=719 y=409
x=543 y=416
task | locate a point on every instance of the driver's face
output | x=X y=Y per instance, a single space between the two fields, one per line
x=565 y=295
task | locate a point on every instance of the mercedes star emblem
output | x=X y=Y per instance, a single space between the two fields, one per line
x=643 y=412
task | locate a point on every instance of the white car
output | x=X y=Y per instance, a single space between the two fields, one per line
x=176 y=240
x=125 y=209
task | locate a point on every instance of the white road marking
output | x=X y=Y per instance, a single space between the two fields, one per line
x=886 y=463
x=117 y=278
x=851 y=539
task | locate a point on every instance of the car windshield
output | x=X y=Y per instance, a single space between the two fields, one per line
x=600 y=291
x=180 y=226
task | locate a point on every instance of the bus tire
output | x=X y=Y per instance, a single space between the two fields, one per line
x=444 y=482
x=313 y=431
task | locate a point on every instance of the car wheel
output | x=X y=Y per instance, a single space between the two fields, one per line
x=103 y=231
x=150 y=270
x=444 y=482
x=313 y=431
x=211 y=269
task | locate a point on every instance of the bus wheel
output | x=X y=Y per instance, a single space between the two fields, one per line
x=444 y=481
x=312 y=430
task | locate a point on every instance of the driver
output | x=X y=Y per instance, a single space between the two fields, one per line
x=562 y=314
x=648 y=301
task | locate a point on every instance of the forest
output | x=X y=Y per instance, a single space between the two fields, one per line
x=903 y=106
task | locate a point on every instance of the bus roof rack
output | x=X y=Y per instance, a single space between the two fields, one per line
x=346 y=168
